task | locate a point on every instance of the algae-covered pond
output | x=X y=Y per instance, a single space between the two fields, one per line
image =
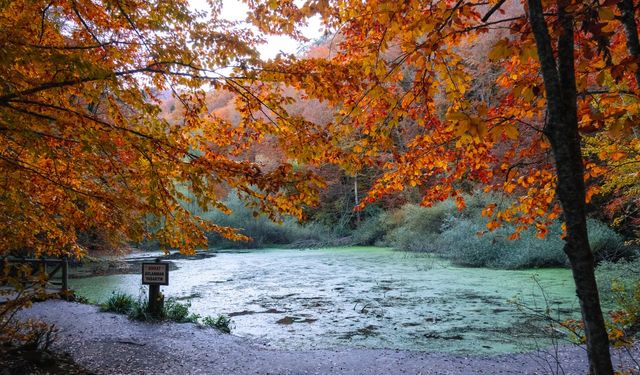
x=362 y=297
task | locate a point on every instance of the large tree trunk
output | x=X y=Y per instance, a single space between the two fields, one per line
x=627 y=17
x=562 y=131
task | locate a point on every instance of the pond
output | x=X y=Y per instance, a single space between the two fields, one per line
x=363 y=297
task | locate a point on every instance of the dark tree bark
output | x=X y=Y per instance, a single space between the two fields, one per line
x=562 y=131
x=627 y=13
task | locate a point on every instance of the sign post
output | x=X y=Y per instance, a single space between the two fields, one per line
x=154 y=275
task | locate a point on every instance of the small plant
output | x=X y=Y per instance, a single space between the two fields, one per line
x=38 y=335
x=119 y=302
x=79 y=299
x=140 y=310
x=27 y=335
x=221 y=323
x=179 y=312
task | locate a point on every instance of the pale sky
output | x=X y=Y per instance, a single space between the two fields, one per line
x=235 y=10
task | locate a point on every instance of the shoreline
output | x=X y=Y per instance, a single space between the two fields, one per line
x=126 y=265
x=122 y=346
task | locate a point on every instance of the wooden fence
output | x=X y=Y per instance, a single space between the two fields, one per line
x=52 y=267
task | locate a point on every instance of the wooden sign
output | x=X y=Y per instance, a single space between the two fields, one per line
x=155 y=273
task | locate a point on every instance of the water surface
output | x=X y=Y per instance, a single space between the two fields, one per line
x=362 y=297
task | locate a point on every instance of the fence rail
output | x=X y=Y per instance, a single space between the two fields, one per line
x=60 y=265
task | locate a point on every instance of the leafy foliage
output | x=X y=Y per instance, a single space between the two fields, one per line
x=179 y=312
x=83 y=147
x=26 y=284
x=221 y=323
x=173 y=310
x=261 y=231
x=461 y=236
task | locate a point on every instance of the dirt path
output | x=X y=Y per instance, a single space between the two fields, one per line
x=111 y=344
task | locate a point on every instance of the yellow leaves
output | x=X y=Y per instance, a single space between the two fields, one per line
x=99 y=158
x=500 y=148
x=471 y=126
x=606 y=14
x=458 y=117
x=500 y=50
x=528 y=51
x=601 y=77
x=618 y=128
x=509 y=187
x=511 y=131
x=541 y=230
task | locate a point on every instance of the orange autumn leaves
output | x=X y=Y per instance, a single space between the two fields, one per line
x=84 y=150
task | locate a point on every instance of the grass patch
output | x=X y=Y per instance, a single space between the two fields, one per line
x=221 y=323
x=119 y=302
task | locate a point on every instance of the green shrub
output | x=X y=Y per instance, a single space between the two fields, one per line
x=370 y=232
x=421 y=226
x=617 y=280
x=606 y=244
x=619 y=287
x=263 y=232
x=412 y=227
x=450 y=233
x=459 y=243
x=119 y=302
x=140 y=311
x=179 y=312
x=173 y=310
x=221 y=323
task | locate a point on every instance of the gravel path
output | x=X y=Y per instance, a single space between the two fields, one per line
x=111 y=344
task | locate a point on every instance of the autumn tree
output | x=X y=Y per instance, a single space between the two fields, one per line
x=561 y=72
x=83 y=146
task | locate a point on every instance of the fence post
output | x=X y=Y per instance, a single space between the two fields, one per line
x=65 y=275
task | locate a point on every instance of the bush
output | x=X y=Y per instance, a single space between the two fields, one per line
x=173 y=310
x=618 y=278
x=606 y=244
x=494 y=249
x=619 y=287
x=221 y=323
x=179 y=312
x=420 y=226
x=450 y=233
x=119 y=302
x=263 y=232
x=370 y=232
x=140 y=310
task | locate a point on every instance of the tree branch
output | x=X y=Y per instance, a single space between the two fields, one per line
x=493 y=10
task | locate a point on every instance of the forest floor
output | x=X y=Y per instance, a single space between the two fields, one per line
x=106 y=343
